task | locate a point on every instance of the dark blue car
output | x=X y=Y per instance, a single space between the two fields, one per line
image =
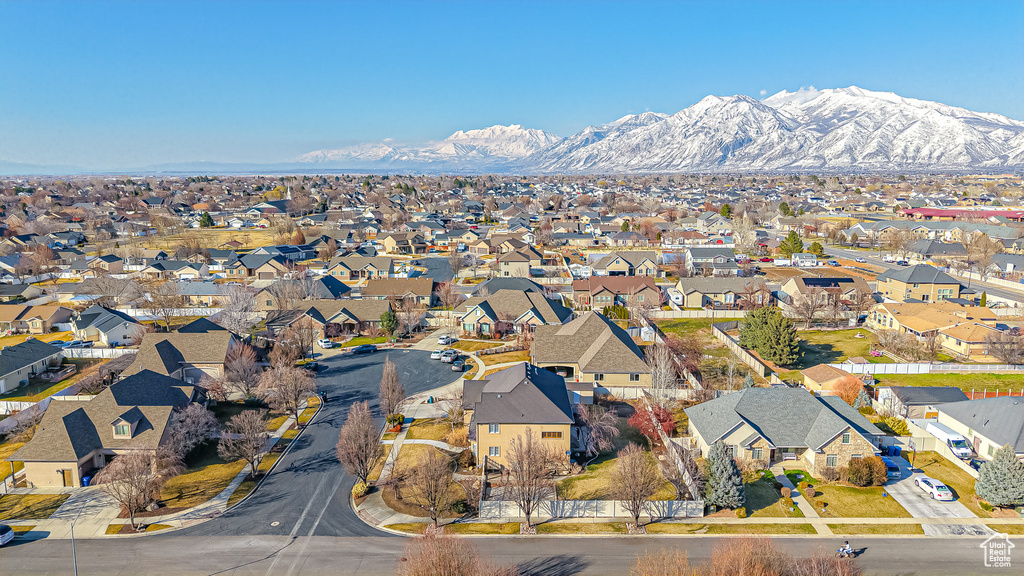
x=364 y=349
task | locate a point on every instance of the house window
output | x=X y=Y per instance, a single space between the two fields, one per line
x=856 y=456
x=991 y=450
x=846 y=437
x=494 y=451
x=270 y=302
x=599 y=377
x=493 y=428
x=550 y=434
x=832 y=460
x=634 y=377
x=640 y=297
x=122 y=430
x=756 y=453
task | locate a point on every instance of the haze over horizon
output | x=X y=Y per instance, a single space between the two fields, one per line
x=122 y=86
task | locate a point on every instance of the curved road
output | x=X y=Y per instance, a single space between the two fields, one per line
x=300 y=522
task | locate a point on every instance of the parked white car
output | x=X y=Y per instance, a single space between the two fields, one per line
x=449 y=356
x=325 y=343
x=937 y=490
x=436 y=354
x=446 y=340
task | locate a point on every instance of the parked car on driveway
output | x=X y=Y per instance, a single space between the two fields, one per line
x=937 y=490
x=364 y=349
x=458 y=366
x=446 y=340
x=436 y=354
x=449 y=356
x=325 y=343
x=767 y=260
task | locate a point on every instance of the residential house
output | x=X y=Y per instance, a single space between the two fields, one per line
x=351 y=267
x=184 y=356
x=176 y=269
x=711 y=261
x=822 y=378
x=515 y=401
x=200 y=294
x=987 y=423
x=32 y=319
x=403 y=243
x=592 y=348
x=784 y=424
x=514 y=265
x=420 y=289
x=76 y=439
x=925 y=250
x=916 y=401
x=105 y=325
x=19 y=292
x=969 y=341
x=259 y=266
x=21 y=361
x=284 y=294
x=601 y=291
x=923 y=320
x=703 y=292
x=632 y=263
x=332 y=317
x=507 y=311
x=494 y=284
x=919 y=283
x=108 y=263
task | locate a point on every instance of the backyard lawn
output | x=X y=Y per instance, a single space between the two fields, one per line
x=516 y=356
x=687 y=326
x=966 y=382
x=951 y=475
x=206 y=475
x=19 y=338
x=30 y=506
x=831 y=346
x=40 y=389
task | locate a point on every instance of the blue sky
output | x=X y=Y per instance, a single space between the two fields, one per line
x=111 y=85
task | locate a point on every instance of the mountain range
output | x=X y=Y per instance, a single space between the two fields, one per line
x=842 y=130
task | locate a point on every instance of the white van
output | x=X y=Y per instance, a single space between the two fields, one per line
x=675 y=296
x=957 y=443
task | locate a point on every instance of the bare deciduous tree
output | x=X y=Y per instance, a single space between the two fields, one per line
x=808 y=304
x=133 y=479
x=664 y=378
x=529 y=466
x=1006 y=347
x=446 y=556
x=190 y=427
x=241 y=369
x=431 y=483
x=600 y=428
x=357 y=443
x=456 y=262
x=391 y=393
x=286 y=388
x=245 y=437
x=238 y=308
x=634 y=480
x=164 y=301
x=409 y=315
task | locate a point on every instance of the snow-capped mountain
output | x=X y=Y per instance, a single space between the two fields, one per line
x=845 y=129
x=492 y=147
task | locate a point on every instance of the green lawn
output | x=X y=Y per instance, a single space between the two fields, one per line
x=428 y=429
x=206 y=475
x=687 y=528
x=582 y=528
x=966 y=382
x=831 y=346
x=1008 y=528
x=854 y=529
x=39 y=389
x=763 y=500
x=852 y=502
x=482 y=528
x=951 y=475
x=516 y=356
x=596 y=482
x=471 y=346
x=687 y=326
x=360 y=340
x=30 y=506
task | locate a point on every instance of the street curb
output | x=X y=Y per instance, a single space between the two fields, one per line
x=251 y=492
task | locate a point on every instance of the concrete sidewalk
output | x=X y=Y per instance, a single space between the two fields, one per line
x=808 y=510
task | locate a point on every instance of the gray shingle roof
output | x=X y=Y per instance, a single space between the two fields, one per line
x=521 y=394
x=998 y=419
x=787 y=418
x=919 y=274
x=16 y=357
x=914 y=395
x=593 y=342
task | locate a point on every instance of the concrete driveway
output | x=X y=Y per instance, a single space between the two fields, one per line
x=920 y=505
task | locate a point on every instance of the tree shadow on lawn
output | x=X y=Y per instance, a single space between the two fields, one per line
x=814 y=354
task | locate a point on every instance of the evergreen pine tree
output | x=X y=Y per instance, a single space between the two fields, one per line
x=863 y=400
x=780 y=344
x=726 y=211
x=1001 y=480
x=791 y=245
x=984 y=299
x=748 y=381
x=725 y=483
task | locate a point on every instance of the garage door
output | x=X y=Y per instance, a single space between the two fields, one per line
x=266 y=276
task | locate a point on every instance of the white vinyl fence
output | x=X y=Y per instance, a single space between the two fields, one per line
x=676 y=314
x=96 y=352
x=492 y=509
x=925 y=368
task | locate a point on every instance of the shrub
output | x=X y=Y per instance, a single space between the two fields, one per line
x=830 y=475
x=809 y=494
x=802 y=485
x=787 y=502
x=741 y=512
x=466 y=459
x=394 y=420
x=867 y=410
x=460 y=507
x=786 y=492
x=985 y=506
x=360 y=490
x=865 y=472
x=458 y=437
x=897 y=425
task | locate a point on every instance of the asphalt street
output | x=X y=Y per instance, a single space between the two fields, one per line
x=300 y=522
x=875 y=259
